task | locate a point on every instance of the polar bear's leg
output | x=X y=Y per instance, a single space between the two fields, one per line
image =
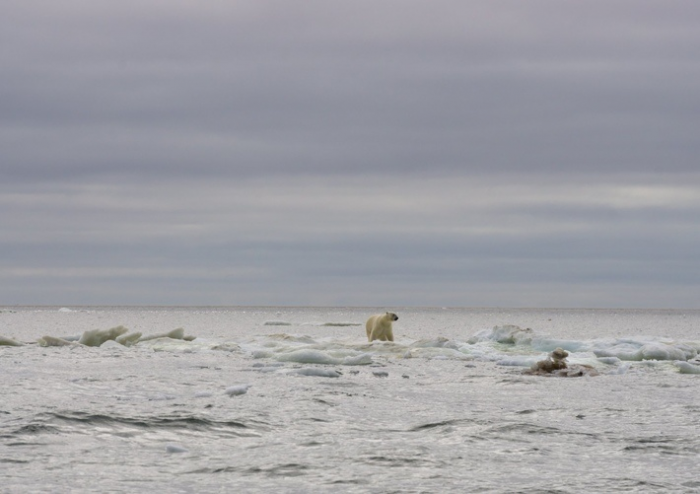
x=379 y=333
x=370 y=327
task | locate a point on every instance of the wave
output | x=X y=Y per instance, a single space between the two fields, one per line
x=76 y=422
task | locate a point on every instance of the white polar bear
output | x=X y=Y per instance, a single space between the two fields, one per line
x=379 y=326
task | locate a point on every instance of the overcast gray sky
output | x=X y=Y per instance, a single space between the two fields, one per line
x=541 y=153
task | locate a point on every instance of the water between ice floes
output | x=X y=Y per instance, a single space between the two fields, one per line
x=296 y=400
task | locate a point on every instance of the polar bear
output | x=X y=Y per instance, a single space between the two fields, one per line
x=379 y=326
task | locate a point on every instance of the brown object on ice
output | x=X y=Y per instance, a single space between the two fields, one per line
x=555 y=365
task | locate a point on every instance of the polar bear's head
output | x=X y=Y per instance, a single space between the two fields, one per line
x=391 y=316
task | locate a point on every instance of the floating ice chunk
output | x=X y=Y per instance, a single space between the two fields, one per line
x=175 y=334
x=663 y=351
x=511 y=334
x=5 y=341
x=623 y=350
x=97 y=337
x=551 y=344
x=268 y=368
x=128 y=339
x=226 y=347
x=112 y=344
x=362 y=359
x=175 y=448
x=687 y=368
x=609 y=360
x=638 y=350
x=314 y=372
x=237 y=390
x=54 y=341
x=309 y=356
x=622 y=369
x=518 y=361
x=293 y=338
x=439 y=342
x=443 y=353
x=65 y=310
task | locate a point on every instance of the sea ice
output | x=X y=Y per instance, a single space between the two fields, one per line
x=96 y=337
x=129 y=339
x=313 y=372
x=514 y=335
x=175 y=448
x=437 y=353
x=5 y=341
x=439 y=342
x=112 y=344
x=687 y=368
x=308 y=356
x=662 y=351
x=237 y=390
x=636 y=351
x=175 y=334
x=54 y=341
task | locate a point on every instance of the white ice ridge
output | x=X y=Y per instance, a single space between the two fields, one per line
x=96 y=337
x=119 y=334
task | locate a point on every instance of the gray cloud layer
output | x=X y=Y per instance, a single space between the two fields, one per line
x=392 y=152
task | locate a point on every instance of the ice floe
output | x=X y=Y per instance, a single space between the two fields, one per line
x=506 y=345
x=97 y=337
x=5 y=341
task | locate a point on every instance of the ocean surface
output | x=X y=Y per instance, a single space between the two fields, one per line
x=295 y=400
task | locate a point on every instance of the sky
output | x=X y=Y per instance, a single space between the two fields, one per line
x=376 y=153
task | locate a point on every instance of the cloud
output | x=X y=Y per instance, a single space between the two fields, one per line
x=315 y=152
x=368 y=240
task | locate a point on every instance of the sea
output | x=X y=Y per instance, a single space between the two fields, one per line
x=296 y=400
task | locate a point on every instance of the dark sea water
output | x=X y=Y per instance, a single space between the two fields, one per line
x=293 y=400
